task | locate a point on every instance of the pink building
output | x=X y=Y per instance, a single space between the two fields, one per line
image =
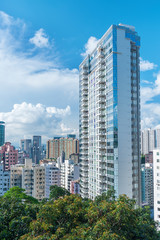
x=8 y=156
x=74 y=187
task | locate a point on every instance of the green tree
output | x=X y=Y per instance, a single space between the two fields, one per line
x=56 y=192
x=17 y=210
x=74 y=218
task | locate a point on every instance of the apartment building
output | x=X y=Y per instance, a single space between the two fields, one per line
x=109 y=82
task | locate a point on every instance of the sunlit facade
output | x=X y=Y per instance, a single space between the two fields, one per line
x=110 y=115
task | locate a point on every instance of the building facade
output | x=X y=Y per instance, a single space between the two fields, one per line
x=150 y=139
x=4 y=180
x=156 y=181
x=52 y=177
x=37 y=147
x=8 y=156
x=30 y=177
x=56 y=146
x=2 y=133
x=69 y=172
x=26 y=147
x=147 y=184
x=75 y=187
x=109 y=124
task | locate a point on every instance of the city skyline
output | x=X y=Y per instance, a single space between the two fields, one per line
x=40 y=90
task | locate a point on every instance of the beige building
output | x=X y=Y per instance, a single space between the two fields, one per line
x=16 y=175
x=56 y=146
x=30 y=177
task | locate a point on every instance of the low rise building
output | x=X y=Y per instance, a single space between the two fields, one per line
x=75 y=187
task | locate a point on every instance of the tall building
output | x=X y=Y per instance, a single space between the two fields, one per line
x=52 y=177
x=4 y=181
x=30 y=177
x=147 y=184
x=156 y=181
x=150 y=139
x=8 y=155
x=56 y=147
x=109 y=129
x=26 y=147
x=69 y=172
x=37 y=147
x=2 y=133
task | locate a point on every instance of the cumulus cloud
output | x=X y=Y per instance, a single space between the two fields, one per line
x=40 y=39
x=145 y=65
x=150 y=108
x=90 y=46
x=33 y=75
x=26 y=120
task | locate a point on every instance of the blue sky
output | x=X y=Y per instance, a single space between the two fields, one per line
x=41 y=46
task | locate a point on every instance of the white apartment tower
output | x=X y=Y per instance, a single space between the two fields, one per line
x=156 y=183
x=110 y=115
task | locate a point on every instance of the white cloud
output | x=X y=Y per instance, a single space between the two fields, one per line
x=26 y=119
x=145 y=65
x=40 y=39
x=90 y=46
x=147 y=82
x=150 y=109
x=33 y=75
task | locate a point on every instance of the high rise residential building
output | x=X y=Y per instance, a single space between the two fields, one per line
x=26 y=147
x=30 y=177
x=2 y=133
x=145 y=141
x=157 y=132
x=16 y=175
x=150 y=139
x=37 y=148
x=56 y=147
x=8 y=155
x=4 y=180
x=52 y=177
x=156 y=181
x=69 y=172
x=147 y=184
x=109 y=130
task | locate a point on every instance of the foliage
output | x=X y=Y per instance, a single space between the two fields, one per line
x=73 y=218
x=70 y=217
x=17 y=210
x=56 y=192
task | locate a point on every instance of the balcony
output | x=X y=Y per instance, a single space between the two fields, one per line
x=84 y=82
x=101 y=100
x=101 y=120
x=84 y=104
x=100 y=73
x=101 y=139
x=84 y=141
x=85 y=132
x=100 y=113
x=84 y=120
x=84 y=147
x=84 y=126
x=84 y=114
x=84 y=98
x=101 y=106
